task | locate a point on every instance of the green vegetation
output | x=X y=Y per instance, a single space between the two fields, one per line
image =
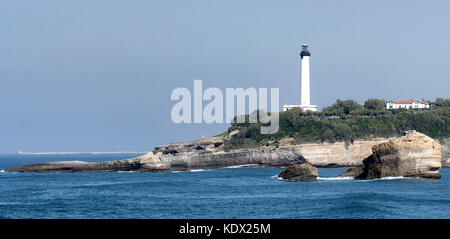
x=346 y=120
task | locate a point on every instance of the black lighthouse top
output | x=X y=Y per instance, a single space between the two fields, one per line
x=305 y=51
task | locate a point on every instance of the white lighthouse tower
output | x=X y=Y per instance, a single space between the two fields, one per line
x=305 y=101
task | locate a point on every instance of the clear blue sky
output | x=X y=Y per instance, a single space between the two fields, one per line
x=97 y=75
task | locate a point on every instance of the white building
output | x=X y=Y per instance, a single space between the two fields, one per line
x=305 y=102
x=407 y=104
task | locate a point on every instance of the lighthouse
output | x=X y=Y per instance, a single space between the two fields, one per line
x=305 y=89
x=305 y=96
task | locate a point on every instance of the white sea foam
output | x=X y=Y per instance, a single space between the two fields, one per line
x=198 y=170
x=192 y=171
x=2 y=171
x=335 y=178
x=125 y=171
x=276 y=177
x=242 y=166
x=351 y=178
x=320 y=178
x=390 y=178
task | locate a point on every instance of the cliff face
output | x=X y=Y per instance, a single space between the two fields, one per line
x=446 y=152
x=337 y=154
x=413 y=155
x=210 y=153
x=266 y=156
x=270 y=157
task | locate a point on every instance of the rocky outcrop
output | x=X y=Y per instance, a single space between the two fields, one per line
x=262 y=157
x=338 y=154
x=413 y=155
x=446 y=152
x=299 y=172
x=204 y=145
x=325 y=154
x=145 y=163
x=211 y=153
x=183 y=160
x=353 y=172
x=192 y=154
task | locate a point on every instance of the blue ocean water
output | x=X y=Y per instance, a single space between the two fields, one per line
x=217 y=193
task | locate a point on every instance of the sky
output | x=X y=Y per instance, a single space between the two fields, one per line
x=98 y=75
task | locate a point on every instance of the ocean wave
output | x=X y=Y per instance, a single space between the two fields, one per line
x=199 y=170
x=390 y=178
x=242 y=166
x=351 y=178
x=276 y=177
x=191 y=171
x=320 y=178
x=335 y=178
x=2 y=171
x=348 y=178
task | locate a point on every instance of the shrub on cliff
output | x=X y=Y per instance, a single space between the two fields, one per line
x=440 y=102
x=375 y=104
x=342 y=107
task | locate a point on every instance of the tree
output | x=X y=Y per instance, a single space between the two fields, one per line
x=342 y=107
x=344 y=132
x=375 y=104
x=440 y=102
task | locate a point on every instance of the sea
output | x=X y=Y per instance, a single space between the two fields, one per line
x=235 y=192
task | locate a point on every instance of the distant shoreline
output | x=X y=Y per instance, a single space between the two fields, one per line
x=58 y=153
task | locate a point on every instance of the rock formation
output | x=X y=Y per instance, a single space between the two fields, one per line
x=212 y=144
x=178 y=157
x=412 y=155
x=353 y=172
x=446 y=152
x=145 y=163
x=299 y=172
x=211 y=153
x=339 y=154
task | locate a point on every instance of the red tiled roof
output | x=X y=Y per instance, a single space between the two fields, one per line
x=408 y=101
